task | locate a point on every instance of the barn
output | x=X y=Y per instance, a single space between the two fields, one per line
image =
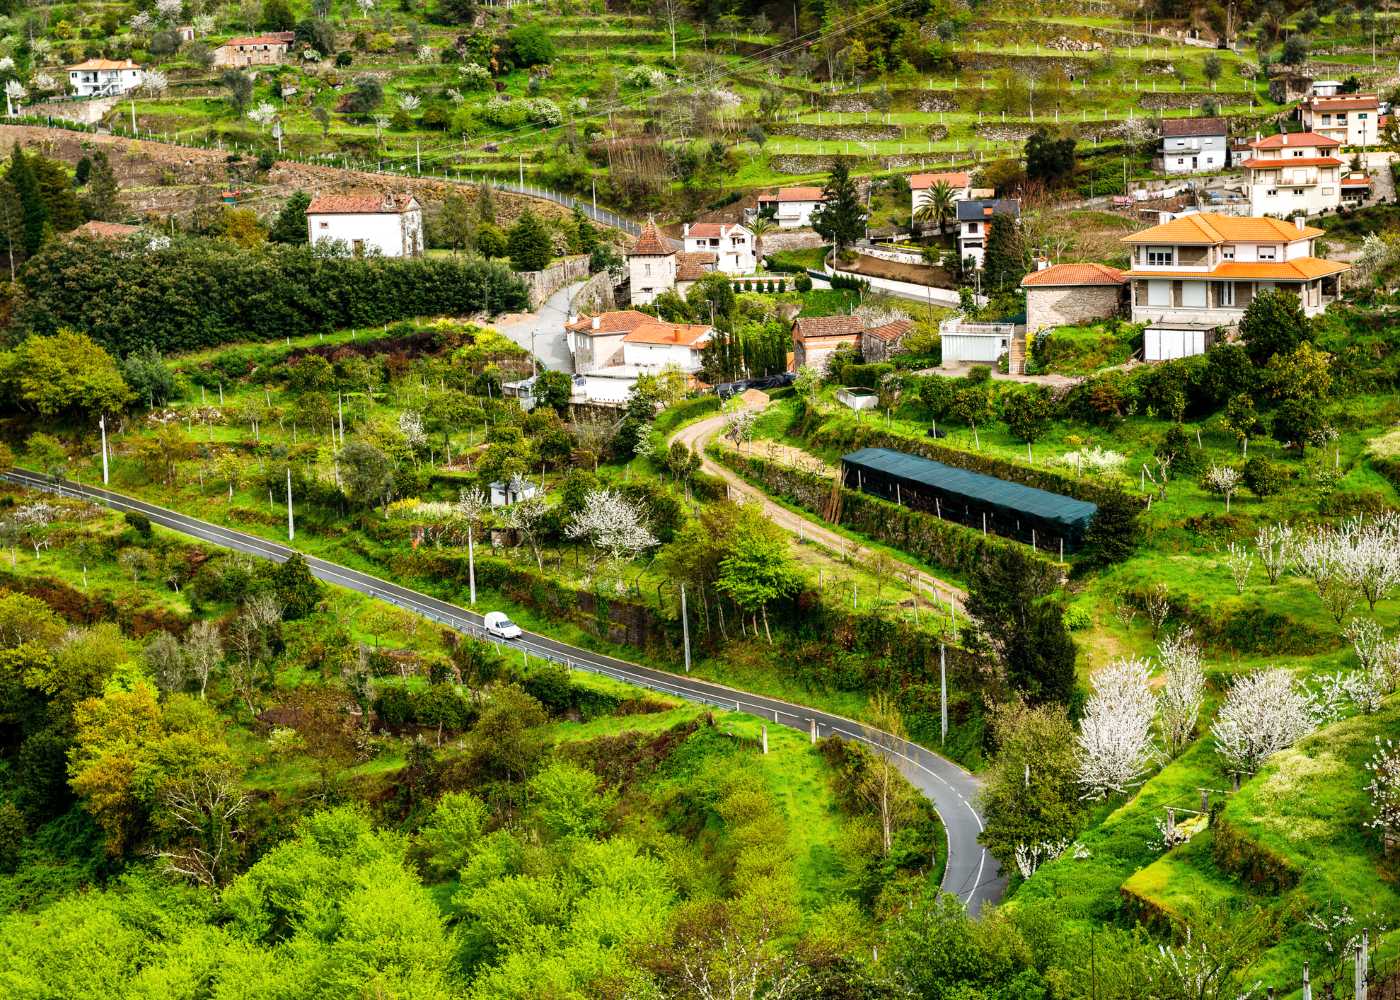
x=997 y=506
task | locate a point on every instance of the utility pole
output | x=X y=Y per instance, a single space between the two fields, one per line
x=133 y=116
x=685 y=629
x=942 y=693
x=291 y=526
x=522 y=169
x=102 y=424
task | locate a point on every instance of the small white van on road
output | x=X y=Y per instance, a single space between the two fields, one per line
x=499 y=624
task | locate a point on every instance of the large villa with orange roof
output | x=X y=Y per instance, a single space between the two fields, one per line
x=1201 y=271
x=1296 y=173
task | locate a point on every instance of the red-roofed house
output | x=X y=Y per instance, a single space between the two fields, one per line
x=254 y=50
x=387 y=225
x=1351 y=119
x=959 y=181
x=1297 y=173
x=814 y=338
x=880 y=343
x=654 y=345
x=651 y=265
x=596 y=341
x=1070 y=294
x=792 y=207
x=105 y=77
x=730 y=242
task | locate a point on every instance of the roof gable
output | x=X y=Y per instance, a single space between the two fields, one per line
x=609 y=323
x=651 y=243
x=1293 y=140
x=1074 y=274
x=1173 y=128
x=954 y=179
x=662 y=334
x=366 y=203
x=1211 y=228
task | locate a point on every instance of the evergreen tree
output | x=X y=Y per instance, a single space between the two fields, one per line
x=587 y=234
x=11 y=224
x=1273 y=323
x=103 y=199
x=486 y=204
x=290 y=224
x=528 y=244
x=81 y=171
x=841 y=217
x=1050 y=159
x=297 y=590
x=1012 y=599
x=34 y=215
x=1005 y=261
x=276 y=16
x=61 y=205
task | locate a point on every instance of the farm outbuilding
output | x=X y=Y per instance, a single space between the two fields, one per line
x=1012 y=510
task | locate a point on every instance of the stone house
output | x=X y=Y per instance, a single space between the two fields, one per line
x=1072 y=294
x=815 y=338
x=880 y=343
x=254 y=50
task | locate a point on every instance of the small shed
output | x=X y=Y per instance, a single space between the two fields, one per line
x=1168 y=341
x=1013 y=510
x=504 y=493
x=980 y=343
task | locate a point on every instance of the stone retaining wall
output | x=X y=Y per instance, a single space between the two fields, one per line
x=542 y=284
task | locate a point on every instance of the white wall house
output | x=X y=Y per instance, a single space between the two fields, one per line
x=1351 y=119
x=105 y=77
x=921 y=184
x=389 y=225
x=1201 y=271
x=792 y=207
x=596 y=341
x=975 y=224
x=656 y=345
x=1195 y=145
x=1293 y=174
x=731 y=243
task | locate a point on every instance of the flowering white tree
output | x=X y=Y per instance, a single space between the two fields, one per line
x=1377 y=252
x=203 y=24
x=471 y=505
x=1222 y=480
x=40 y=49
x=263 y=114
x=1384 y=769
x=7 y=63
x=526 y=517
x=425 y=54
x=381 y=122
x=155 y=82
x=1029 y=857
x=14 y=93
x=140 y=22
x=611 y=523
x=1263 y=713
x=169 y=9
x=1184 y=690
x=365 y=6
x=1274 y=544
x=1378 y=656
x=1321 y=557
x=409 y=102
x=1370 y=556
x=1095 y=459
x=454 y=95
x=411 y=427
x=1115 y=735
x=1240 y=562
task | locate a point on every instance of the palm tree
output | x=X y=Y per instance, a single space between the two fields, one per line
x=759 y=227
x=938 y=206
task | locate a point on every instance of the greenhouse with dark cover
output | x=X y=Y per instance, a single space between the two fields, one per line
x=1049 y=521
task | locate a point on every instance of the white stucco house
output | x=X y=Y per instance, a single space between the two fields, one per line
x=732 y=244
x=1351 y=119
x=792 y=207
x=388 y=225
x=596 y=341
x=975 y=218
x=656 y=345
x=958 y=181
x=1194 y=145
x=1297 y=173
x=105 y=77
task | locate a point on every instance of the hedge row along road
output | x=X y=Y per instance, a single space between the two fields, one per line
x=971 y=873
x=697 y=435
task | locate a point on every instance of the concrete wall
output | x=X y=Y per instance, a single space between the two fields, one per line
x=1070 y=305
x=907 y=289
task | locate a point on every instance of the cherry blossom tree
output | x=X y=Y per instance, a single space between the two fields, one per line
x=1240 y=562
x=263 y=114
x=1377 y=655
x=411 y=427
x=1263 y=713
x=1370 y=556
x=471 y=504
x=526 y=518
x=1184 y=690
x=1384 y=769
x=1320 y=557
x=1274 y=544
x=1222 y=480
x=612 y=524
x=409 y=102
x=1115 y=735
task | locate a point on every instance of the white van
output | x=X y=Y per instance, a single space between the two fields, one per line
x=499 y=625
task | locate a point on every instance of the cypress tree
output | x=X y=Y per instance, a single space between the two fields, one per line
x=290 y=225
x=841 y=217
x=103 y=199
x=528 y=244
x=34 y=215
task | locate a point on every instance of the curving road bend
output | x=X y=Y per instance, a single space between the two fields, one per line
x=697 y=435
x=971 y=873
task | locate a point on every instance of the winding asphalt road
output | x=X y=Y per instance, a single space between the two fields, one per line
x=971 y=873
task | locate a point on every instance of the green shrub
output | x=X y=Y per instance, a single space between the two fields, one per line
x=1264 y=478
x=802 y=283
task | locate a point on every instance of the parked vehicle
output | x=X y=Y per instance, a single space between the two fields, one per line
x=498 y=623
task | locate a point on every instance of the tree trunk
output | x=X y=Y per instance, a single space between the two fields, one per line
x=767 y=634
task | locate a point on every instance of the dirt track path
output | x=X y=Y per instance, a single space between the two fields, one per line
x=698 y=435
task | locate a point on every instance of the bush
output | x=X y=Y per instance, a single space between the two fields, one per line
x=1264 y=478
x=140 y=523
x=978 y=374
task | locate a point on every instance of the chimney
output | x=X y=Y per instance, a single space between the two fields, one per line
x=685 y=230
x=597 y=322
x=1300 y=222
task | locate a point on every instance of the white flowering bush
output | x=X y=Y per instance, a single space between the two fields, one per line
x=140 y=21
x=1384 y=769
x=169 y=10
x=645 y=77
x=542 y=111
x=1093 y=458
x=1029 y=857
x=1183 y=691
x=409 y=102
x=263 y=114
x=475 y=76
x=1263 y=713
x=1115 y=735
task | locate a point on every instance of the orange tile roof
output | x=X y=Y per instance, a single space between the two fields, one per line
x=360 y=204
x=104 y=64
x=620 y=321
x=1300 y=269
x=1290 y=140
x=892 y=331
x=955 y=179
x=273 y=38
x=1212 y=228
x=1073 y=274
x=710 y=230
x=692 y=265
x=1356 y=181
x=1349 y=102
x=657 y=332
x=800 y=194
x=807 y=327
x=1274 y=162
x=105 y=230
x=651 y=243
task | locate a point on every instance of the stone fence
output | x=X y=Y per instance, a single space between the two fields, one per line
x=542 y=284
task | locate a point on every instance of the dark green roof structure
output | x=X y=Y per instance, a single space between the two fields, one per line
x=1010 y=509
